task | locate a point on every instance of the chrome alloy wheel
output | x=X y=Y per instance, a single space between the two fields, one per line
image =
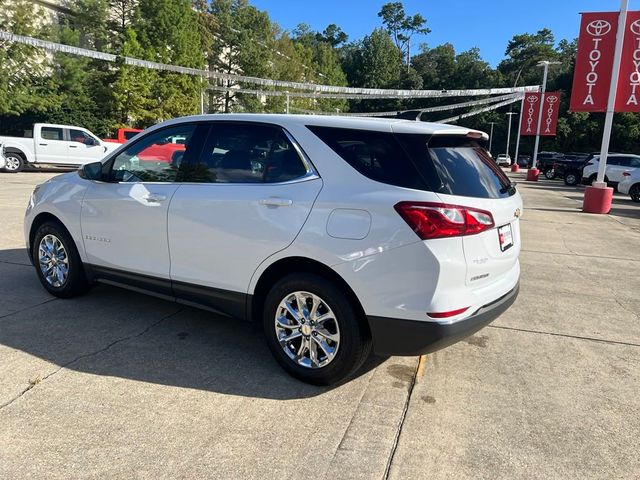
x=53 y=260
x=12 y=162
x=307 y=330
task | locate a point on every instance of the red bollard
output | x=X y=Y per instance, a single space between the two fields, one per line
x=597 y=199
x=515 y=167
x=532 y=175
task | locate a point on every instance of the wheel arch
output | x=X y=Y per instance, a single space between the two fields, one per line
x=288 y=265
x=26 y=155
x=40 y=219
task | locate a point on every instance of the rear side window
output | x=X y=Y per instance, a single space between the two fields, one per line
x=448 y=165
x=247 y=153
x=376 y=155
x=51 y=133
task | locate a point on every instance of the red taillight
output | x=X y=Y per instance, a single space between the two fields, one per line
x=439 y=220
x=451 y=313
x=626 y=174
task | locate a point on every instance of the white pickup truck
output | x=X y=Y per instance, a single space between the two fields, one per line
x=60 y=145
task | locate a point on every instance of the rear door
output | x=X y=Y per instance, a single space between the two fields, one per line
x=251 y=191
x=51 y=146
x=461 y=172
x=616 y=165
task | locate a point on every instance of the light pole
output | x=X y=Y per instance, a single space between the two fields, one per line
x=491 y=135
x=545 y=64
x=519 y=127
x=515 y=157
x=510 y=115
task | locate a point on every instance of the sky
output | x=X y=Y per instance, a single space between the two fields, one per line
x=486 y=24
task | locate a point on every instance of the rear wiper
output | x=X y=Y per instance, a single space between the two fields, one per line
x=507 y=188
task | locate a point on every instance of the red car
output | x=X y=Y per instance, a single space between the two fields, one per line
x=153 y=153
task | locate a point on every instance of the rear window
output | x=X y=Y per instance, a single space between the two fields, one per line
x=457 y=166
x=448 y=165
x=129 y=135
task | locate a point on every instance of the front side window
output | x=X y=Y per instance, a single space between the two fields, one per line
x=247 y=153
x=51 y=133
x=80 y=136
x=157 y=157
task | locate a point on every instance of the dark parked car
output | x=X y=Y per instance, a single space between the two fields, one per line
x=524 y=161
x=570 y=168
x=545 y=163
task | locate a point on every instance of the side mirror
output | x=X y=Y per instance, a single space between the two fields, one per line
x=90 y=142
x=91 y=171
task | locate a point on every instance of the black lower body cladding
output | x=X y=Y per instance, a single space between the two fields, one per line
x=393 y=336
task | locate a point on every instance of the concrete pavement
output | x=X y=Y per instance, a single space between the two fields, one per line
x=119 y=385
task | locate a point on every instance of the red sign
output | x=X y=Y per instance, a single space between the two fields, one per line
x=628 y=93
x=594 y=62
x=550 y=110
x=530 y=114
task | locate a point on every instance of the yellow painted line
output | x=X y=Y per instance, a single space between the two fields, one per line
x=421 y=364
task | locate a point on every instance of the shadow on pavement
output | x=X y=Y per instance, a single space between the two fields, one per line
x=116 y=332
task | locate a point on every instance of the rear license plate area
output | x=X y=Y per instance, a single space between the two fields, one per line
x=505 y=236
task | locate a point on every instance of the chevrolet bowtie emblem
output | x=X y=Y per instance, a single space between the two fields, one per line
x=517 y=213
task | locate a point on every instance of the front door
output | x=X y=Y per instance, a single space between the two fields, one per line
x=83 y=147
x=251 y=192
x=124 y=218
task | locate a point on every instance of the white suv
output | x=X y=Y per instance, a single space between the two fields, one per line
x=630 y=184
x=338 y=234
x=617 y=165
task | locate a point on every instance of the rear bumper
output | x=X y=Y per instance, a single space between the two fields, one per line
x=393 y=336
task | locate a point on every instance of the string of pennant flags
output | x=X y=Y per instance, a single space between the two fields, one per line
x=497 y=102
x=316 y=89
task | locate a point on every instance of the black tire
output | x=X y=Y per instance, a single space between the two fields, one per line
x=571 y=179
x=14 y=162
x=594 y=177
x=634 y=192
x=76 y=282
x=355 y=341
x=550 y=174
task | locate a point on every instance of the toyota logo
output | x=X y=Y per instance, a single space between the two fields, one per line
x=635 y=27
x=532 y=99
x=552 y=99
x=598 y=28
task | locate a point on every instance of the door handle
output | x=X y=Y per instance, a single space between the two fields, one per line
x=276 y=202
x=73 y=146
x=154 y=197
x=43 y=144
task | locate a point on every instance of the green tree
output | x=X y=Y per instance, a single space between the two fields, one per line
x=402 y=27
x=333 y=35
x=25 y=85
x=166 y=34
x=242 y=44
x=523 y=53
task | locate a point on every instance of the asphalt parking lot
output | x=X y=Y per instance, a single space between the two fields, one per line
x=119 y=385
